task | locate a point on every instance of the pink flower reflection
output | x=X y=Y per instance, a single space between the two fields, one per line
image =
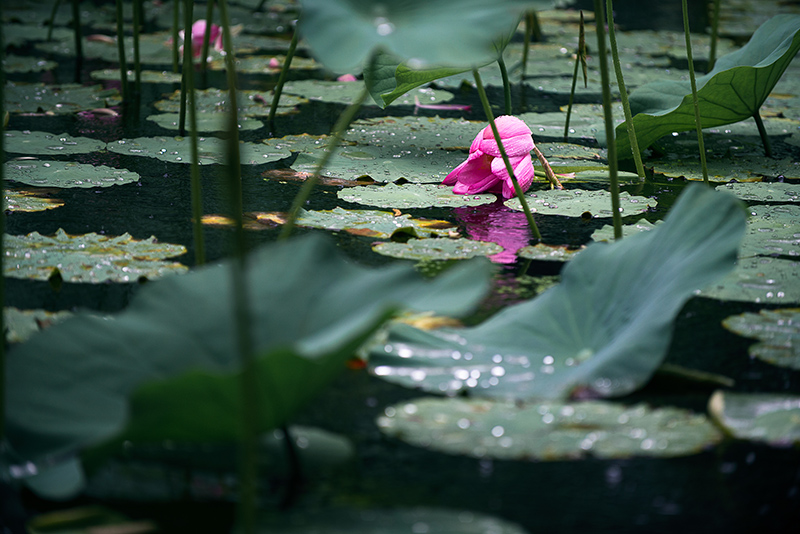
x=496 y=223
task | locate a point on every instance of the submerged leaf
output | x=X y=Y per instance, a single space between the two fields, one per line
x=605 y=328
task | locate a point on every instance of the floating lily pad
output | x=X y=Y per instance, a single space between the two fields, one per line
x=14 y=63
x=581 y=203
x=543 y=252
x=606 y=233
x=604 y=329
x=740 y=168
x=207 y=121
x=415 y=131
x=67 y=174
x=59 y=99
x=759 y=279
x=153 y=48
x=41 y=143
x=210 y=150
x=251 y=103
x=569 y=157
x=599 y=177
x=549 y=431
x=146 y=76
x=384 y=164
x=266 y=64
x=384 y=521
x=778 y=333
x=769 y=418
x=379 y=224
x=346 y=92
x=29 y=201
x=20 y=34
x=91 y=258
x=764 y=192
x=22 y=324
x=407 y=196
x=772 y=230
x=437 y=249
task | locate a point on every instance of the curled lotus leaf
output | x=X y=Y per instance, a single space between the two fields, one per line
x=777 y=332
x=89 y=258
x=581 y=203
x=437 y=249
x=764 y=417
x=67 y=174
x=58 y=99
x=407 y=196
x=550 y=431
x=45 y=143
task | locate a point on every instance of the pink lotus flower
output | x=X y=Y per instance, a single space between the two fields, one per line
x=198 y=34
x=484 y=170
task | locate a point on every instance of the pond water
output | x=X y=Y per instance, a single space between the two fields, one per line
x=731 y=486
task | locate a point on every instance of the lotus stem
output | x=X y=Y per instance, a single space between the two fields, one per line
x=487 y=108
x=123 y=66
x=276 y=96
x=207 y=38
x=599 y=21
x=695 y=101
x=623 y=93
x=527 y=44
x=506 y=84
x=196 y=187
x=580 y=58
x=712 y=54
x=175 y=23
x=548 y=170
x=137 y=65
x=56 y=5
x=76 y=17
x=336 y=137
x=762 y=131
x=2 y=248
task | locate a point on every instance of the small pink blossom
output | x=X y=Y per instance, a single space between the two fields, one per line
x=274 y=63
x=485 y=171
x=346 y=78
x=198 y=34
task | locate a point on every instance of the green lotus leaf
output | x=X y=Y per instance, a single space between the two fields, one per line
x=606 y=233
x=371 y=223
x=211 y=150
x=764 y=192
x=407 y=196
x=384 y=164
x=153 y=48
x=415 y=131
x=59 y=99
x=733 y=91
x=22 y=324
x=772 y=231
x=764 y=417
x=740 y=168
x=89 y=258
x=551 y=431
x=18 y=35
x=778 y=333
x=167 y=367
x=66 y=174
x=250 y=103
x=465 y=33
x=14 y=63
x=265 y=64
x=758 y=279
x=543 y=252
x=45 y=143
x=580 y=203
x=346 y=92
x=437 y=249
x=569 y=157
x=146 y=76
x=605 y=328
x=29 y=201
x=339 y=520
x=207 y=121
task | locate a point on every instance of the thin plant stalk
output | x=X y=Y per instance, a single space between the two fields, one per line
x=207 y=38
x=599 y=20
x=175 y=23
x=506 y=84
x=123 y=66
x=276 y=96
x=249 y=380
x=580 y=59
x=695 y=101
x=762 y=131
x=76 y=18
x=137 y=64
x=196 y=187
x=527 y=44
x=56 y=5
x=712 y=54
x=337 y=134
x=2 y=249
x=487 y=108
x=623 y=93
x=188 y=63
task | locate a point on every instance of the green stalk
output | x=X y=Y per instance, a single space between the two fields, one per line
x=712 y=55
x=123 y=66
x=196 y=187
x=175 y=23
x=2 y=249
x=527 y=44
x=506 y=85
x=336 y=137
x=623 y=93
x=695 y=101
x=600 y=24
x=188 y=63
x=763 y=133
x=56 y=5
x=249 y=387
x=207 y=37
x=276 y=96
x=580 y=58
x=137 y=65
x=76 y=16
x=487 y=109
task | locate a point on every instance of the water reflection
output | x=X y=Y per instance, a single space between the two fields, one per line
x=495 y=223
